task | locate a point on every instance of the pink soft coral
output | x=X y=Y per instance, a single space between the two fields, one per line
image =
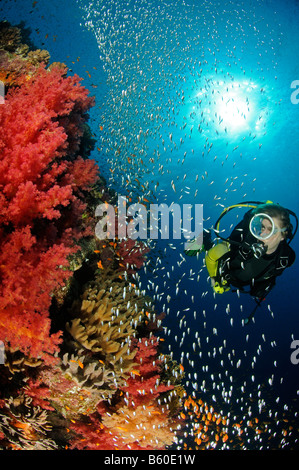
x=42 y=179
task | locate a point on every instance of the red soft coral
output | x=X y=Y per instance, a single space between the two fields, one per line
x=132 y=254
x=139 y=421
x=144 y=386
x=92 y=435
x=42 y=184
x=29 y=274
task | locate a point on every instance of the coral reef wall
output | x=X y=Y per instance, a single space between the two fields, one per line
x=83 y=364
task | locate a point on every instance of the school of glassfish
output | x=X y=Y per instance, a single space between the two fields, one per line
x=177 y=79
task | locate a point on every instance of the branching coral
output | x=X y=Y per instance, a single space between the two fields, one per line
x=71 y=394
x=17 y=63
x=18 y=362
x=24 y=426
x=74 y=387
x=10 y=37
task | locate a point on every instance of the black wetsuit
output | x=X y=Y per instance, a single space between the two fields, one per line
x=240 y=268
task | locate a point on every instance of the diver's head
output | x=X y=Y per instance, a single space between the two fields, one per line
x=270 y=224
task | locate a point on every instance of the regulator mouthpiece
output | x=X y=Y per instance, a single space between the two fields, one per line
x=259 y=249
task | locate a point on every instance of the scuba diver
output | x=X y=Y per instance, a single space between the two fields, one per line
x=256 y=252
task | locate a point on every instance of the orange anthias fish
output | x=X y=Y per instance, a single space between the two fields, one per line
x=135 y=372
x=100 y=265
x=80 y=364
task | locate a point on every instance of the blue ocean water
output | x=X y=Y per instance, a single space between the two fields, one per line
x=193 y=105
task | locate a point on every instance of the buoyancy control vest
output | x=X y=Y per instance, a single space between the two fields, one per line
x=240 y=267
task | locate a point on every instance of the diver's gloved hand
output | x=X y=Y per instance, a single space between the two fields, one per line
x=220 y=287
x=193 y=247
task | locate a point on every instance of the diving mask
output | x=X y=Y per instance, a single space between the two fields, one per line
x=262 y=226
